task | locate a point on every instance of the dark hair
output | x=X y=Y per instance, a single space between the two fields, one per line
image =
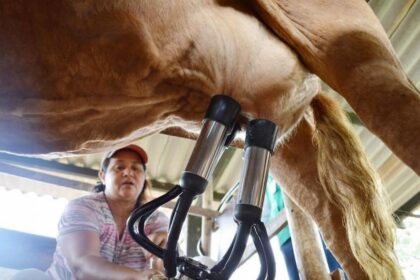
x=99 y=187
x=105 y=164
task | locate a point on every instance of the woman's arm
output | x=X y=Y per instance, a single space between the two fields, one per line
x=81 y=250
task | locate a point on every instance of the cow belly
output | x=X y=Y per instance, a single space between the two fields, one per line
x=82 y=87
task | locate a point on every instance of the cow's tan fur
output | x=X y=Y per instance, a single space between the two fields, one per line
x=82 y=76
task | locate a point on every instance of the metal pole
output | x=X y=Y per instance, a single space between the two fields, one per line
x=206 y=222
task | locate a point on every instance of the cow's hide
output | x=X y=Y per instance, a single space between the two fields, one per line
x=82 y=76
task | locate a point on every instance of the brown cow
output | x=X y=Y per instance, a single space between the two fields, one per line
x=81 y=76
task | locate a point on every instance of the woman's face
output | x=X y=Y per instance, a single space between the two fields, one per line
x=124 y=178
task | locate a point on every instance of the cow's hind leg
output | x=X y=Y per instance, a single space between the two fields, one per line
x=344 y=43
x=294 y=165
x=343 y=191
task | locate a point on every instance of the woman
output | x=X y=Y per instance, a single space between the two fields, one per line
x=93 y=242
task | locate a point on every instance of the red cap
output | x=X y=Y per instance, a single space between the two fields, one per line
x=137 y=149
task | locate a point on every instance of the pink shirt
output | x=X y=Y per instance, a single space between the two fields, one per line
x=92 y=212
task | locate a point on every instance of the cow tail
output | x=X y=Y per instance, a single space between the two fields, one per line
x=354 y=187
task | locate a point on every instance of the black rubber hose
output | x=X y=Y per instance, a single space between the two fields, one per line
x=242 y=233
x=261 y=254
x=221 y=264
x=137 y=219
x=142 y=239
x=269 y=256
x=176 y=207
x=177 y=221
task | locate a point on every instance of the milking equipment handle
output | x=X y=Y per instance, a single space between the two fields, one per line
x=218 y=126
x=219 y=123
x=259 y=146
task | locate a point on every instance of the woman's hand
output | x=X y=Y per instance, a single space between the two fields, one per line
x=160 y=239
x=150 y=274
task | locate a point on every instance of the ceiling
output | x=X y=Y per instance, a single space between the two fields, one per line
x=169 y=155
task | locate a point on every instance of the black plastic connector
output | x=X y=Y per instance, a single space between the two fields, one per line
x=247 y=213
x=193 y=269
x=261 y=133
x=223 y=109
x=193 y=183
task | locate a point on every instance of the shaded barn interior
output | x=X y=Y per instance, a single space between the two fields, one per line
x=74 y=176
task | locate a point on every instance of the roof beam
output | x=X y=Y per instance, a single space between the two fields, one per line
x=42 y=177
x=49 y=165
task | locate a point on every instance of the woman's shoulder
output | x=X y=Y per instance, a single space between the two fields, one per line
x=81 y=214
x=159 y=213
x=93 y=200
x=158 y=218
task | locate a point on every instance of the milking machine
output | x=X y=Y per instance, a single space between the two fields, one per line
x=219 y=127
